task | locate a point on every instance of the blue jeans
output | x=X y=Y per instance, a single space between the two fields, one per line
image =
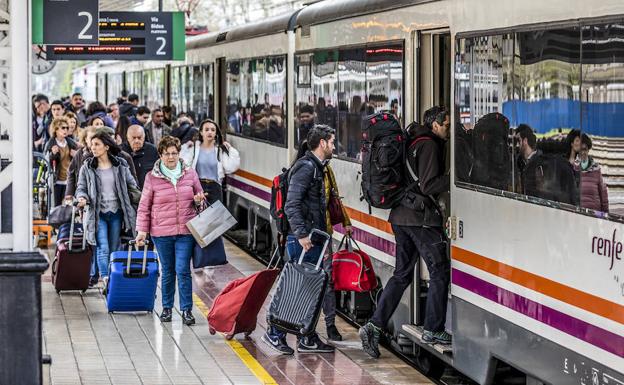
x=175 y=254
x=107 y=237
x=294 y=248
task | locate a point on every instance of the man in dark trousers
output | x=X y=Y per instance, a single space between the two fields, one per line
x=305 y=209
x=144 y=154
x=417 y=226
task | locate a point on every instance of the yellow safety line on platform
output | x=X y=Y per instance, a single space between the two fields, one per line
x=252 y=364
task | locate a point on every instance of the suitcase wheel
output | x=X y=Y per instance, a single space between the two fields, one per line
x=84 y=291
x=247 y=334
x=229 y=336
x=58 y=291
x=212 y=331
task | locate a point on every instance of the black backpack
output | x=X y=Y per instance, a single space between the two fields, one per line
x=383 y=161
x=490 y=148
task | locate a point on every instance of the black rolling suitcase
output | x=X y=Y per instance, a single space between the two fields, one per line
x=296 y=304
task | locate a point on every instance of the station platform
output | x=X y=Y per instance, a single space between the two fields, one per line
x=90 y=346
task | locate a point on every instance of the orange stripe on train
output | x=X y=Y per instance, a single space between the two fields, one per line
x=561 y=292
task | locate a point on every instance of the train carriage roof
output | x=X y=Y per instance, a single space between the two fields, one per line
x=269 y=26
x=326 y=11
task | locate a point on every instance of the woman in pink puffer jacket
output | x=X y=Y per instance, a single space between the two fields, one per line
x=171 y=194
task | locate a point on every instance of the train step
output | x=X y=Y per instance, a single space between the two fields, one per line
x=414 y=333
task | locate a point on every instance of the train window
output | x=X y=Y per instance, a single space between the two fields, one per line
x=134 y=82
x=602 y=94
x=344 y=86
x=114 y=86
x=561 y=91
x=197 y=96
x=101 y=88
x=352 y=101
x=256 y=98
x=154 y=89
x=177 y=90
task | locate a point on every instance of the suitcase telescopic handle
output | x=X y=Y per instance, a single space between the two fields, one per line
x=133 y=243
x=325 y=244
x=71 y=230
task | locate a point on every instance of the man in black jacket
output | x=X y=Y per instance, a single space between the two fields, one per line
x=417 y=226
x=305 y=209
x=144 y=154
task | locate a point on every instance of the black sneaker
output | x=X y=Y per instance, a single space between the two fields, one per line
x=333 y=334
x=313 y=344
x=369 y=334
x=165 y=316
x=93 y=281
x=277 y=344
x=442 y=338
x=187 y=317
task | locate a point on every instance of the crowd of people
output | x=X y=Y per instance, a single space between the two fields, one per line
x=123 y=164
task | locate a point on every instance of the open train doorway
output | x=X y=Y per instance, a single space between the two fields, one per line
x=432 y=87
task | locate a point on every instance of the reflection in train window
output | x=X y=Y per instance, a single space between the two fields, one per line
x=562 y=92
x=256 y=98
x=344 y=86
x=600 y=158
x=176 y=89
x=134 y=83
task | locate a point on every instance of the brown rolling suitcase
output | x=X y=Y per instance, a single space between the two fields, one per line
x=71 y=267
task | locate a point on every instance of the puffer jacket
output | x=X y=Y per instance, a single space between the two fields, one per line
x=305 y=203
x=227 y=163
x=165 y=209
x=89 y=187
x=594 y=194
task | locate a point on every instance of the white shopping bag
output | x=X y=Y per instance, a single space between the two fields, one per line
x=211 y=223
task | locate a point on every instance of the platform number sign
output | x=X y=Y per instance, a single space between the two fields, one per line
x=66 y=22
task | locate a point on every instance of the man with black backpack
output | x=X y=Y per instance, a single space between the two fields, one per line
x=417 y=226
x=305 y=209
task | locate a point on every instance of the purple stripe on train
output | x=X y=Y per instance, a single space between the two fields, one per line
x=582 y=330
x=359 y=235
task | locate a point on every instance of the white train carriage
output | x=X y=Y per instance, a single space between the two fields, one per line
x=537 y=283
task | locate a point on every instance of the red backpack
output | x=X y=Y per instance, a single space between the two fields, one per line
x=352 y=270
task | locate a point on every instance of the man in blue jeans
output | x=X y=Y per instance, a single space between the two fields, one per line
x=305 y=209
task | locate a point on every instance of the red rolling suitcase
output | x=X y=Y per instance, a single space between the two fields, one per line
x=352 y=270
x=71 y=267
x=235 y=310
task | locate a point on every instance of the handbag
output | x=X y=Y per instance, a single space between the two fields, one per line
x=211 y=255
x=352 y=270
x=211 y=223
x=334 y=204
x=60 y=215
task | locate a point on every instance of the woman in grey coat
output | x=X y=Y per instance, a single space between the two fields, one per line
x=106 y=185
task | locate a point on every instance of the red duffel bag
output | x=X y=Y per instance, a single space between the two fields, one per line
x=352 y=269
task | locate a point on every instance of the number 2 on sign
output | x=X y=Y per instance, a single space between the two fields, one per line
x=89 y=17
x=161 y=49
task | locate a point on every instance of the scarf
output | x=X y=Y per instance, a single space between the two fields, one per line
x=172 y=175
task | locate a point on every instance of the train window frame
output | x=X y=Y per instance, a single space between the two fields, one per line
x=577 y=23
x=286 y=125
x=365 y=46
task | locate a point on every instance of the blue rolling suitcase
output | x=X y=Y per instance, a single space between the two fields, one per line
x=133 y=276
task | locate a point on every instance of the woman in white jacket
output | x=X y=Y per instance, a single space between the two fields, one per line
x=212 y=158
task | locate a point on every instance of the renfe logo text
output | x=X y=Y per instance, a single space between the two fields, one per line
x=608 y=247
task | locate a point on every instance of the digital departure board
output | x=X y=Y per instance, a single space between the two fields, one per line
x=131 y=36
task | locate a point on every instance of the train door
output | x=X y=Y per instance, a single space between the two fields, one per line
x=432 y=86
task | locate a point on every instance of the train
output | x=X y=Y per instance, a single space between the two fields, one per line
x=537 y=285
